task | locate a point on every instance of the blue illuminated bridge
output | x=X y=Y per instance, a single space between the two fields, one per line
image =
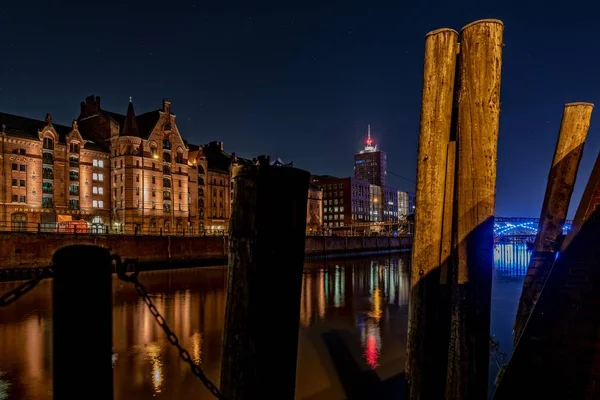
x=518 y=226
x=513 y=238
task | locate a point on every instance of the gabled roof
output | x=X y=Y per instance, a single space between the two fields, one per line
x=28 y=128
x=145 y=122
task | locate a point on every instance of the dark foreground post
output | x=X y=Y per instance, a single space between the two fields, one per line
x=477 y=141
x=561 y=182
x=82 y=322
x=266 y=256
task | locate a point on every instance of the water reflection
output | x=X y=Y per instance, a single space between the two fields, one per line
x=365 y=298
x=511 y=259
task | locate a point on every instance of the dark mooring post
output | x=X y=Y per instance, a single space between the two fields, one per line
x=477 y=142
x=424 y=380
x=82 y=322
x=266 y=257
x=561 y=181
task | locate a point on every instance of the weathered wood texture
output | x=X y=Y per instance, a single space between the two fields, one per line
x=589 y=201
x=267 y=229
x=446 y=251
x=477 y=141
x=75 y=372
x=558 y=355
x=561 y=181
x=441 y=47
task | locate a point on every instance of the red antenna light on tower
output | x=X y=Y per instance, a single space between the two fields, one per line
x=369 y=141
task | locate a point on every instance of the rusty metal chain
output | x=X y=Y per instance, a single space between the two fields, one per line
x=19 y=291
x=171 y=336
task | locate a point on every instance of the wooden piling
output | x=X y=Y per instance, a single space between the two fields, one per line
x=267 y=232
x=441 y=48
x=561 y=181
x=82 y=331
x=589 y=201
x=477 y=142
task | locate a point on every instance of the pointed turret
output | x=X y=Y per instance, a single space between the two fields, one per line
x=130 y=127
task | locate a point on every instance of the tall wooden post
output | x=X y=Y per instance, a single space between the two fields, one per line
x=477 y=141
x=267 y=237
x=441 y=47
x=589 y=201
x=82 y=333
x=561 y=181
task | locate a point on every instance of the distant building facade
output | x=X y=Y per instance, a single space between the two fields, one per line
x=354 y=205
x=51 y=174
x=121 y=173
x=118 y=173
x=370 y=164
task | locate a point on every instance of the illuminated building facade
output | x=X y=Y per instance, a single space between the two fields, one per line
x=52 y=175
x=111 y=172
x=370 y=164
x=351 y=205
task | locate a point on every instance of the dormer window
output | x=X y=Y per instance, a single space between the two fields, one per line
x=48 y=143
x=74 y=148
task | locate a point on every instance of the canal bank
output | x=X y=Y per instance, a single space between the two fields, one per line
x=23 y=250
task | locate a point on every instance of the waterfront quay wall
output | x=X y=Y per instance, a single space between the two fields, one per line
x=18 y=250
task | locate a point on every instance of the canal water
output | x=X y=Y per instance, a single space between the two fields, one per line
x=360 y=304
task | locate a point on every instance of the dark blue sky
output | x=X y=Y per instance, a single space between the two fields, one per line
x=302 y=79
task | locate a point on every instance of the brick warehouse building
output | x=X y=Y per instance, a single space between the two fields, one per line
x=122 y=173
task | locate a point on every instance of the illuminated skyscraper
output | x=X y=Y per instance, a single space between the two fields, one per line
x=370 y=163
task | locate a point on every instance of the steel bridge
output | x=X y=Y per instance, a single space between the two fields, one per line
x=513 y=238
x=518 y=226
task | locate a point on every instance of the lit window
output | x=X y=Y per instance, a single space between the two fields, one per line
x=100 y=204
x=100 y=190
x=95 y=190
x=95 y=163
x=101 y=177
x=95 y=204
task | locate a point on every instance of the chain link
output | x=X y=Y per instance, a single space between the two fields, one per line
x=16 y=293
x=171 y=336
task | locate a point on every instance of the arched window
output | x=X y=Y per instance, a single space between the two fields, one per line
x=179 y=159
x=167 y=225
x=166 y=144
x=200 y=170
x=19 y=222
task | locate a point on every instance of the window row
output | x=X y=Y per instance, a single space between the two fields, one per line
x=19 y=167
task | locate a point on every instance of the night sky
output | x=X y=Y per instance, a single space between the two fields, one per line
x=302 y=79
